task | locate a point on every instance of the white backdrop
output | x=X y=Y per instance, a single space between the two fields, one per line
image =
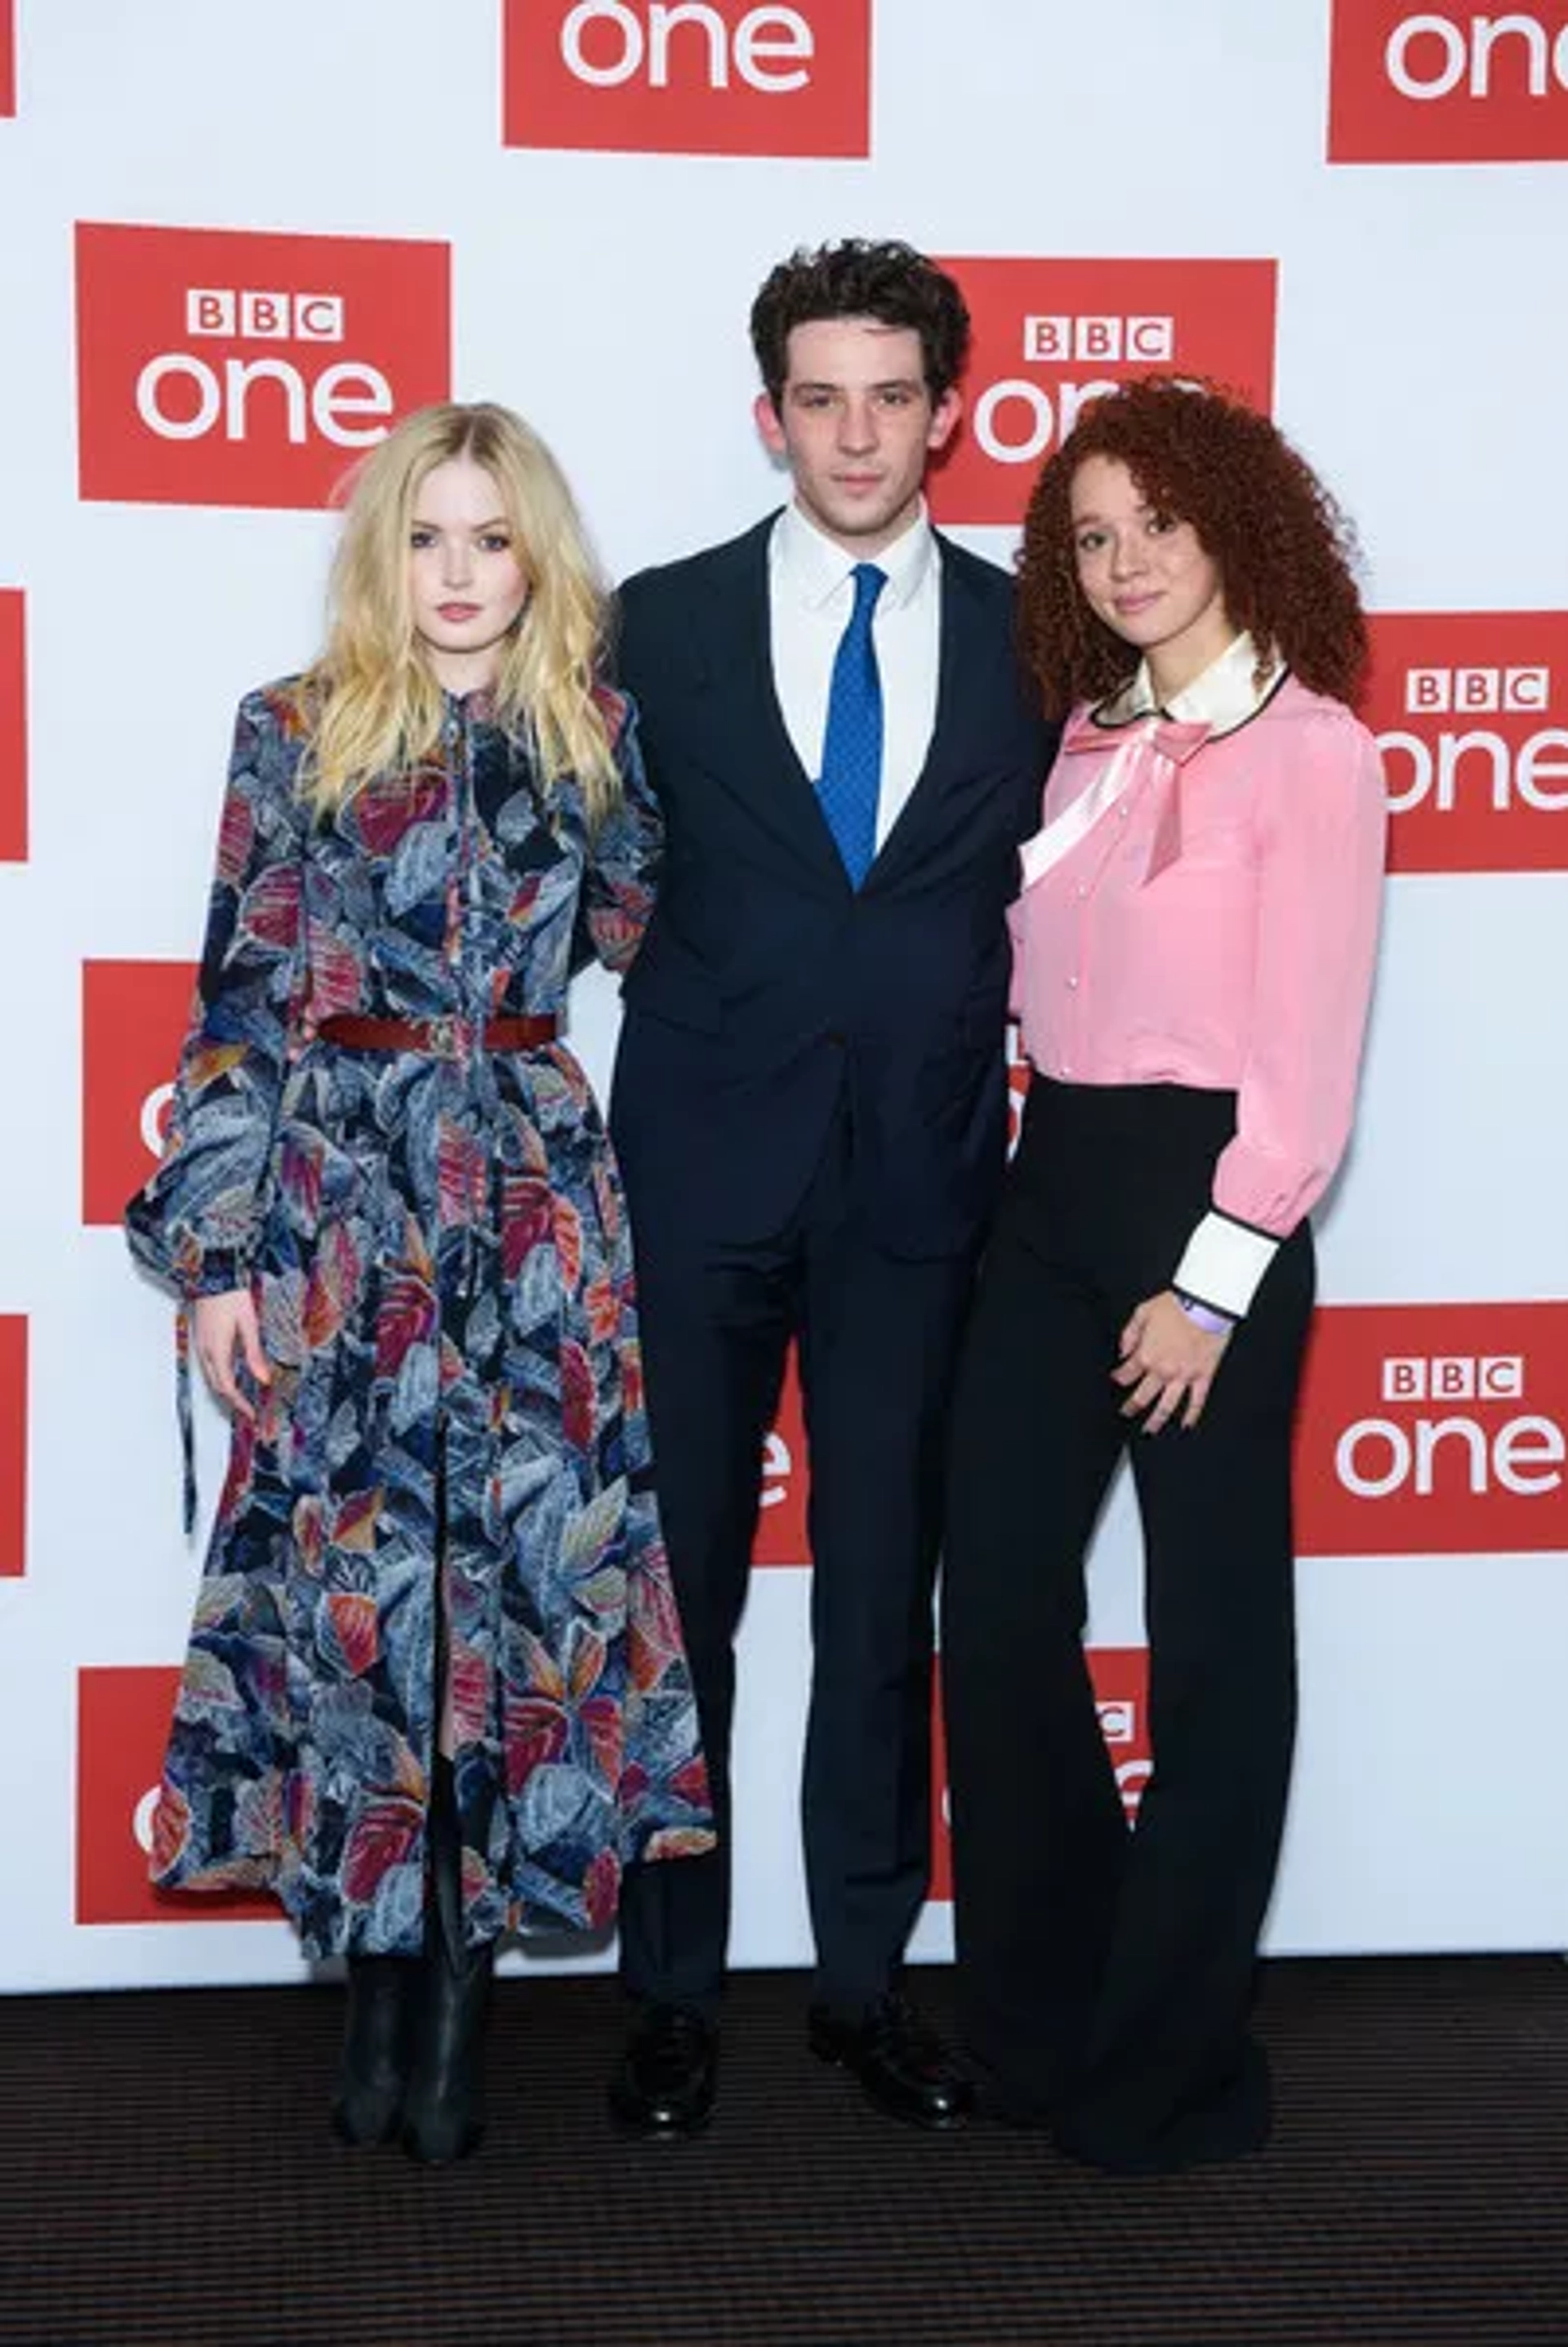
x=1417 y=352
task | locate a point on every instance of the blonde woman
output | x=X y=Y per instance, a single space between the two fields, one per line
x=435 y=1687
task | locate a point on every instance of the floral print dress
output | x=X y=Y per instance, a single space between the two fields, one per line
x=449 y=1476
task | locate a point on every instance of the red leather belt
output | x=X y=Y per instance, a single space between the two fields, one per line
x=441 y=1038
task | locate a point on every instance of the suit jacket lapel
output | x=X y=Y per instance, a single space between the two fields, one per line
x=961 y=662
x=738 y=635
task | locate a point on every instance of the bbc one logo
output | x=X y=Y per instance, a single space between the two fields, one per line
x=123 y=1714
x=689 y=77
x=135 y=1015
x=780 y=1536
x=1018 y=1079
x=13 y=726
x=1471 y=711
x=13 y=1443
x=222 y=367
x=1049 y=336
x=1447 y=85
x=1120 y=1681
x=1434 y=1427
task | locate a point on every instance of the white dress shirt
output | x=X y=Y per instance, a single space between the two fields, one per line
x=812 y=594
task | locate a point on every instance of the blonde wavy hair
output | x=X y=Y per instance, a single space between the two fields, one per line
x=371 y=702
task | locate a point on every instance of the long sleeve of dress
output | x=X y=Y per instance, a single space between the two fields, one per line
x=194 y=1224
x=621 y=876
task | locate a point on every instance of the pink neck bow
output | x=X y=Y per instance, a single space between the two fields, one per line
x=1160 y=746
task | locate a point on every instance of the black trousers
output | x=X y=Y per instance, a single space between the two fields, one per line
x=877 y=1344
x=1106 y=1974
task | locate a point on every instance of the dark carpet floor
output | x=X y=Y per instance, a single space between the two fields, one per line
x=168 y=2178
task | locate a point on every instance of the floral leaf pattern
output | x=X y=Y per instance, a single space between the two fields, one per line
x=439 y=1250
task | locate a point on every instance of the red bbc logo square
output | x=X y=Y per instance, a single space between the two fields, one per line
x=1050 y=335
x=1471 y=711
x=781 y=1510
x=135 y=1015
x=723 y=77
x=12 y=1444
x=1121 y=1677
x=220 y=367
x=1410 y=86
x=122 y=1727
x=1433 y=1428
x=7 y=57
x=13 y=726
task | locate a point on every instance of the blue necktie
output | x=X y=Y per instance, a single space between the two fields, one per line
x=852 y=744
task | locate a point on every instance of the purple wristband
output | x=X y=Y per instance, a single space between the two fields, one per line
x=1204 y=1315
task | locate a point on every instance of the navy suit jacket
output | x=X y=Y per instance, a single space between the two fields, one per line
x=768 y=992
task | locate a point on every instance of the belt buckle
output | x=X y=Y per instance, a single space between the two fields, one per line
x=442 y=1033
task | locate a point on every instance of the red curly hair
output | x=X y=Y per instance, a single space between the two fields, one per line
x=1285 y=551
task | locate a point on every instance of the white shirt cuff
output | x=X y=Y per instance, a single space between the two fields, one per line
x=1224 y=1262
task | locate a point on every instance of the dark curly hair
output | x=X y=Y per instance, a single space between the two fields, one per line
x=858 y=279
x=1286 y=552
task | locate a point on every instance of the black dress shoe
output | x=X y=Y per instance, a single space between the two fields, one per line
x=665 y=2082
x=903 y=2066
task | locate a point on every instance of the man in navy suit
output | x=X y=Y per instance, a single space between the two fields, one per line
x=809 y=1108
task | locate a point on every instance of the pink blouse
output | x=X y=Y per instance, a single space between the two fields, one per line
x=1209 y=916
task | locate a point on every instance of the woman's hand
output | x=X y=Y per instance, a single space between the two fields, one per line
x=1166 y=1356
x=220 y=1325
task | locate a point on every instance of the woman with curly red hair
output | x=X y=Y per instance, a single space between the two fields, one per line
x=1193 y=953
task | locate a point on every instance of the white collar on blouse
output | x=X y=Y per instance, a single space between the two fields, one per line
x=1230 y=690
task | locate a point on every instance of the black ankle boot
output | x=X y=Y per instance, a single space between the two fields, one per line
x=378 y=2040
x=443 y=2108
